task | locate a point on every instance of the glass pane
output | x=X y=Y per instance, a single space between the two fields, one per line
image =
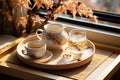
x=107 y=21
x=104 y=5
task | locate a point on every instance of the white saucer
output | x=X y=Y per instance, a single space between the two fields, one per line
x=48 y=55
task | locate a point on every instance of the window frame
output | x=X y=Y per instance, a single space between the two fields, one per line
x=104 y=16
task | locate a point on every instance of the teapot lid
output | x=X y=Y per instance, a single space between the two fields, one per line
x=54 y=28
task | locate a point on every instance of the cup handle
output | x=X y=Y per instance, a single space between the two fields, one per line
x=26 y=53
x=39 y=31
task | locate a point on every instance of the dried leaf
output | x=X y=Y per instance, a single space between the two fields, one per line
x=36 y=20
x=55 y=16
x=39 y=3
x=71 y=6
x=61 y=9
x=22 y=21
x=22 y=3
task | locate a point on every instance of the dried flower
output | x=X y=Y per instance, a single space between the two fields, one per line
x=22 y=3
x=73 y=6
x=22 y=21
x=39 y=4
x=36 y=20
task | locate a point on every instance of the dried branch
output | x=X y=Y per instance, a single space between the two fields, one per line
x=73 y=6
x=51 y=14
x=29 y=23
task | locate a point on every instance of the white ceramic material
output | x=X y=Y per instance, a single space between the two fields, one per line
x=35 y=48
x=48 y=55
x=54 y=35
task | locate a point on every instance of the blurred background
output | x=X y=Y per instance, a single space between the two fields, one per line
x=112 y=6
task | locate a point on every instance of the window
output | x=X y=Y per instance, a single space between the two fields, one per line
x=107 y=31
x=107 y=12
x=112 y=6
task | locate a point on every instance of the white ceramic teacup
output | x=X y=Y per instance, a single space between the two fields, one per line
x=36 y=48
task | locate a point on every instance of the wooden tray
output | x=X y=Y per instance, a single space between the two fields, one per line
x=105 y=63
x=57 y=61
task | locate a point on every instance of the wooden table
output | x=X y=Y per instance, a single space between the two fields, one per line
x=104 y=64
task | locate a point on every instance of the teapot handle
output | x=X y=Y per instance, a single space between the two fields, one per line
x=38 y=32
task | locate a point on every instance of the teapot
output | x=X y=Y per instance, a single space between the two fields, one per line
x=54 y=35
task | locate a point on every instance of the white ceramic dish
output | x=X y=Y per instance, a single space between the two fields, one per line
x=48 y=55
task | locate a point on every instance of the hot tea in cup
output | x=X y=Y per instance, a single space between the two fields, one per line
x=36 y=48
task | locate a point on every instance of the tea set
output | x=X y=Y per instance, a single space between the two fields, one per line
x=54 y=37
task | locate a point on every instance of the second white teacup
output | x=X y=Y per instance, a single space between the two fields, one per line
x=36 y=48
